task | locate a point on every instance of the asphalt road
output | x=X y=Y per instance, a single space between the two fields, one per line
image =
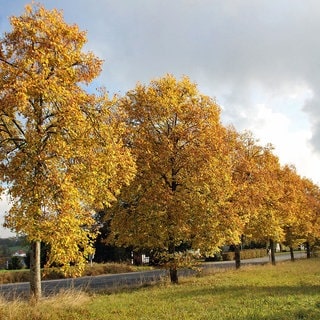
x=114 y=281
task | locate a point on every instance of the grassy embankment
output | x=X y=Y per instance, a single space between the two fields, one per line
x=286 y=291
x=23 y=275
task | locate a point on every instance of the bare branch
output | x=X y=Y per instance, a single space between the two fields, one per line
x=8 y=63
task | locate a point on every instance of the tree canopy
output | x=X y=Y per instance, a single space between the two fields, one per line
x=183 y=185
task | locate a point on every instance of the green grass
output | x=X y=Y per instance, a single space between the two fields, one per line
x=286 y=291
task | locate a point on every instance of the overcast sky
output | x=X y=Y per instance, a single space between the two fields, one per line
x=260 y=59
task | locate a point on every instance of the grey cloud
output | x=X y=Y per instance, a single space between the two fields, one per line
x=227 y=47
x=312 y=107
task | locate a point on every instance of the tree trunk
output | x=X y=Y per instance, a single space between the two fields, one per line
x=308 y=250
x=291 y=254
x=35 y=272
x=237 y=255
x=272 y=248
x=173 y=275
x=172 y=264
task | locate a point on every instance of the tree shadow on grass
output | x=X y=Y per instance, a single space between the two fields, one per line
x=238 y=290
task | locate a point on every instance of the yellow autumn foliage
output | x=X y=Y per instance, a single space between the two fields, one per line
x=61 y=151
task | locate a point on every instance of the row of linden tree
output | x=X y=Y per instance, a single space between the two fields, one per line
x=158 y=159
x=202 y=184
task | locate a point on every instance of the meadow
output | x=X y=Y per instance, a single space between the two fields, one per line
x=289 y=290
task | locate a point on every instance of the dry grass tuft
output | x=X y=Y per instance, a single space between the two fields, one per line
x=69 y=304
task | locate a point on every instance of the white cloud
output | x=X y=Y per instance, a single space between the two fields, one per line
x=276 y=116
x=292 y=147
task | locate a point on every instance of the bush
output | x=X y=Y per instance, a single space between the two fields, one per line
x=216 y=257
x=245 y=254
x=16 y=263
x=227 y=256
x=14 y=276
x=109 y=268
